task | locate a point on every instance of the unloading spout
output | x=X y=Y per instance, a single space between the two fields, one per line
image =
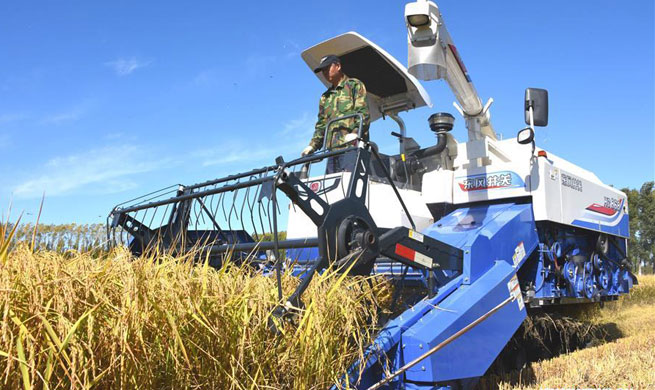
x=432 y=55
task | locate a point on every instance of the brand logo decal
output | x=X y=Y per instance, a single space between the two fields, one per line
x=319 y=187
x=490 y=181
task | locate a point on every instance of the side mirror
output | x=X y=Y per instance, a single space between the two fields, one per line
x=537 y=100
x=525 y=136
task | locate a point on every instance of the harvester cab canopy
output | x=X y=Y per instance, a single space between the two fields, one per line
x=391 y=89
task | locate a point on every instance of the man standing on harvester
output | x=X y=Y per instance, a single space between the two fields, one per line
x=346 y=96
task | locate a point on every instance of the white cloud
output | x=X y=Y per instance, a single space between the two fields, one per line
x=292 y=48
x=235 y=153
x=7 y=118
x=298 y=132
x=62 y=117
x=114 y=136
x=294 y=135
x=71 y=114
x=126 y=66
x=95 y=170
x=302 y=125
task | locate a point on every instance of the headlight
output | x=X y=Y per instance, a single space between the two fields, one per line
x=418 y=20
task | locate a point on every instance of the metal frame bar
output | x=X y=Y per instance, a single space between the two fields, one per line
x=264 y=245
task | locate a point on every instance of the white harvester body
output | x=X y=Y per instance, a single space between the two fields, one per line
x=483 y=169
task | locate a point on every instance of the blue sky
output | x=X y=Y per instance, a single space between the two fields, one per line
x=103 y=101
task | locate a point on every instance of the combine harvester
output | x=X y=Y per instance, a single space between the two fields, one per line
x=474 y=235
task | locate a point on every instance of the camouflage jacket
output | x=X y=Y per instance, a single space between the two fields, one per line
x=349 y=97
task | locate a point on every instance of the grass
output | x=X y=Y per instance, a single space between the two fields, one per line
x=71 y=321
x=626 y=362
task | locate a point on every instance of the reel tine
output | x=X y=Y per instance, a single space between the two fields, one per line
x=260 y=208
x=153 y=216
x=229 y=218
x=232 y=208
x=251 y=207
x=223 y=205
x=197 y=212
x=243 y=205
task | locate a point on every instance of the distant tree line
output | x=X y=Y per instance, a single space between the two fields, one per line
x=79 y=237
x=60 y=238
x=641 y=247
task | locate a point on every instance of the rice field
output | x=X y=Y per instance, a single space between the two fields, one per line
x=627 y=361
x=74 y=320
x=71 y=321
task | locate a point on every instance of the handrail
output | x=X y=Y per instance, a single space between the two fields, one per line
x=327 y=127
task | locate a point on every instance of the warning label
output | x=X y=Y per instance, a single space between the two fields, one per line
x=519 y=254
x=515 y=291
x=414 y=235
x=423 y=260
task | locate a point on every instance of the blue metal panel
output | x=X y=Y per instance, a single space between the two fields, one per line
x=621 y=229
x=491 y=237
x=487 y=233
x=472 y=353
x=303 y=255
x=390 y=336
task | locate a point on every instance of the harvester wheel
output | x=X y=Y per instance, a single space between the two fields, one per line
x=355 y=235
